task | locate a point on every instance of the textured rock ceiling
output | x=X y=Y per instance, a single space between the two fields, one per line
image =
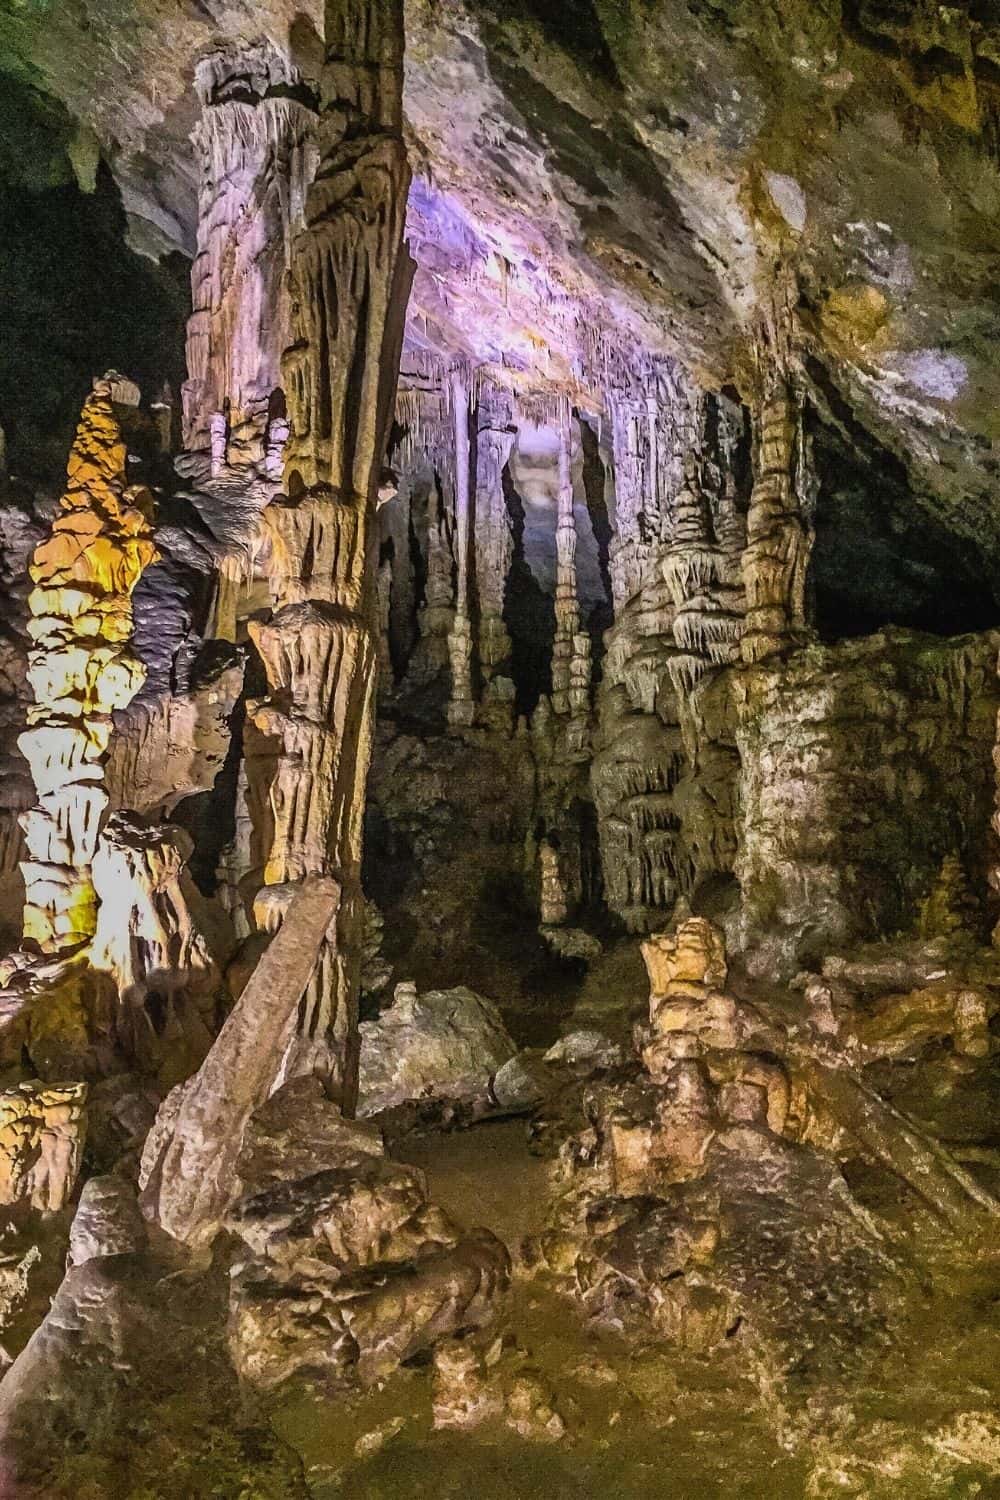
x=640 y=167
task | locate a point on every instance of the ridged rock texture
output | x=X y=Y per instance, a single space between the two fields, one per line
x=42 y=1132
x=256 y=141
x=81 y=671
x=349 y=281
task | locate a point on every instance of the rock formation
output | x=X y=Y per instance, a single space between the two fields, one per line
x=80 y=671
x=603 y=575
x=256 y=143
x=42 y=1131
x=349 y=282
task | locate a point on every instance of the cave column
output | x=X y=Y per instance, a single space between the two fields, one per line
x=494 y=539
x=461 y=707
x=80 y=670
x=255 y=141
x=571 y=648
x=778 y=539
x=350 y=278
x=627 y=554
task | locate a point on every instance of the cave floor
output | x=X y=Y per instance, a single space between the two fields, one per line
x=640 y=1421
x=644 y=1419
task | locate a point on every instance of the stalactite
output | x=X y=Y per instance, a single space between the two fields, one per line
x=630 y=550
x=81 y=670
x=383 y=591
x=350 y=279
x=257 y=150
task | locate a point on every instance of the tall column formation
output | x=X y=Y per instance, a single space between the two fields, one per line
x=571 y=647
x=80 y=671
x=629 y=428
x=778 y=540
x=461 y=707
x=256 y=144
x=699 y=574
x=493 y=535
x=350 y=281
x=426 y=456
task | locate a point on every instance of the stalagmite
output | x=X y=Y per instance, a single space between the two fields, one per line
x=571 y=648
x=80 y=671
x=146 y=938
x=256 y=142
x=493 y=536
x=42 y=1130
x=350 y=279
x=778 y=539
x=461 y=706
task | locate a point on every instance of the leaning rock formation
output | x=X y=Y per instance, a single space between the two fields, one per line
x=81 y=671
x=42 y=1129
x=350 y=278
x=187 y=1166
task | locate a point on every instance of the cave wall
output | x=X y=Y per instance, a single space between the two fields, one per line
x=863 y=766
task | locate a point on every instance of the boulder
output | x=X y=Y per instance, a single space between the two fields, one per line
x=445 y=1044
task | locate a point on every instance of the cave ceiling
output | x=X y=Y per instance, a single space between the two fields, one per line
x=628 y=174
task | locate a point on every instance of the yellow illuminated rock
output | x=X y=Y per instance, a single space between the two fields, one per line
x=80 y=671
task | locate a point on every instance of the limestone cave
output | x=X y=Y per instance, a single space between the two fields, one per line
x=499 y=755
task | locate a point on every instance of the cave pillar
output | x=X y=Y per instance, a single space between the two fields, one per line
x=571 y=647
x=350 y=278
x=80 y=670
x=703 y=583
x=628 y=552
x=776 y=557
x=255 y=142
x=494 y=539
x=461 y=706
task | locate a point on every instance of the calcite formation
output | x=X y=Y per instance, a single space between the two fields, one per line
x=349 y=282
x=349 y=1270
x=166 y=980
x=461 y=704
x=81 y=670
x=42 y=1132
x=571 y=647
x=778 y=536
x=256 y=142
x=494 y=541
